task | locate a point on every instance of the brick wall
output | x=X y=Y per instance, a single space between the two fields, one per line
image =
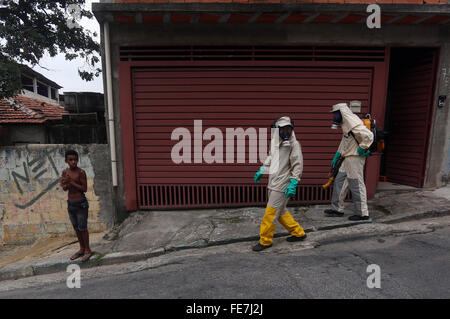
x=33 y=205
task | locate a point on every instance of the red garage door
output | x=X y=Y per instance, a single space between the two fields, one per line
x=231 y=97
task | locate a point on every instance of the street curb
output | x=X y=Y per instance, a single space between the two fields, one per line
x=413 y=216
x=204 y=243
x=357 y=237
x=60 y=265
x=16 y=274
x=53 y=266
x=125 y=257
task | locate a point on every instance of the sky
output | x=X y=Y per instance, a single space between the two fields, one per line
x=65 y=73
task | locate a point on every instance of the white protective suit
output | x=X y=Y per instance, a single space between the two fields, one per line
x=283 y=163
x=351 y=173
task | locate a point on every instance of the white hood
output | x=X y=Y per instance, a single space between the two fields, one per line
x=282 y=121
x=349 y=119
x=276 y=141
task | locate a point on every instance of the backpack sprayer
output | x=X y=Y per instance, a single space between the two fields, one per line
x=378 y=134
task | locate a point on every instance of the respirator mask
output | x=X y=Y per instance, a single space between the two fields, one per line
x=285 y=133
x=337 y=120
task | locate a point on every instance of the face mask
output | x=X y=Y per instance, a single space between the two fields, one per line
x=285 y=133
x=337 y=120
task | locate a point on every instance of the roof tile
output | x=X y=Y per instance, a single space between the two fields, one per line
x=22 y=109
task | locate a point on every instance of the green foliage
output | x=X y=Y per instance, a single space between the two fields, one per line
x=10 y=82
x=31 y=28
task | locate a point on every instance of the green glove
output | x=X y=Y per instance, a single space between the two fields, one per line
x=363 y=152
x=291 y=190
x=258 y=174
x=335 y=159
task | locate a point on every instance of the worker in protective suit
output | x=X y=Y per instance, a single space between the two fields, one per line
x=354 y=145
x=284 y=166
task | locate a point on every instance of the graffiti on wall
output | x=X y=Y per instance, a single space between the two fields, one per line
x=33 y=171
x=32 y=204
x=3 y=162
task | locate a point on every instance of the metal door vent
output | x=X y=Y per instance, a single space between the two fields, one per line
x=190 y=196
x=251 y=53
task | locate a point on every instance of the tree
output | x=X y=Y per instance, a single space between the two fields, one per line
x=31 y=28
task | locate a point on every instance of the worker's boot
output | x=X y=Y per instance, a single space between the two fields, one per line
x=333 y=213
x=292 y=239
x=259 y=247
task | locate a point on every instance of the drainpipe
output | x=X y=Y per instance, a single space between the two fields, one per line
x=112 y=132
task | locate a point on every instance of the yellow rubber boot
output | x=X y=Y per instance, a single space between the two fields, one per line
x=267 y=226
x=291 y=225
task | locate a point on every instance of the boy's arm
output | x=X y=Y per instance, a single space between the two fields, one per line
x=83 y=179
x=62 y=181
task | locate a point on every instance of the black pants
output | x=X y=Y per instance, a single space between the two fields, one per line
x=78 y=213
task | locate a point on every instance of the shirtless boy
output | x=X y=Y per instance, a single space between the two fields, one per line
x=74 y=181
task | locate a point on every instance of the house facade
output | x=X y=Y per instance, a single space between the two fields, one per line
x=27 y=117
x=193 y=72
x=37 y=86
x=25 y=120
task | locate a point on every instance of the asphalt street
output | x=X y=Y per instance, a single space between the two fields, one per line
x=412 y=266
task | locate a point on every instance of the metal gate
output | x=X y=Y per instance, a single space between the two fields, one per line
x=238 y=96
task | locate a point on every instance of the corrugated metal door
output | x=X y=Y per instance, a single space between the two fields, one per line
x=411 y=90
x=231 y=97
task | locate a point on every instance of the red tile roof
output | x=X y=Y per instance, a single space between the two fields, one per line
x=21 y=109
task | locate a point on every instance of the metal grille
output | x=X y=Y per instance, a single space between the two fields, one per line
x=194 y=195
x=250 y=53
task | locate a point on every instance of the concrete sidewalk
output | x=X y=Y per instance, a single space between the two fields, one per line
x=147 y=234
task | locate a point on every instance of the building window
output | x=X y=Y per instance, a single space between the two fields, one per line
x=42 y=89
x=27 y=83
x=53 y=90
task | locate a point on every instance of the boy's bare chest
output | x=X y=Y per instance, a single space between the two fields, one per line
x=74 y=175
